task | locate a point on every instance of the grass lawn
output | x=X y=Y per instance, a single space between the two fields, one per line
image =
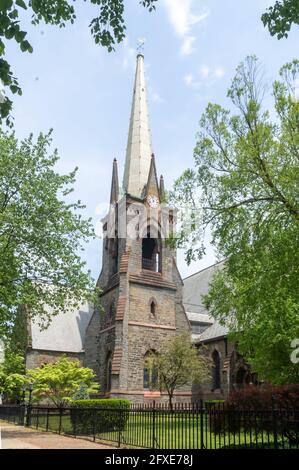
x=171 y=432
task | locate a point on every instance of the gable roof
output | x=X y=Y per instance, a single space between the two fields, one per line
x=66 y=332
x=197 y=285
x=214 y=331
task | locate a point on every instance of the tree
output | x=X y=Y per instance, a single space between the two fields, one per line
x=280 y=17
x=41 y=234
x=12 y=376
x=246 y=172
x=60 y=381
x=108 y=28
x=178 y=363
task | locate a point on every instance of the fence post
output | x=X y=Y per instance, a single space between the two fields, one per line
x=60 y=419
x=28 y=415
x=201 y=424
x=154 y=425
x=274 y=419
x=119 y=430
x=94 y=428
x=22 y=415
x=47 y=422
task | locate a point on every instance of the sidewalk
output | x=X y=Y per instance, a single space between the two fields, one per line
x=19 y=437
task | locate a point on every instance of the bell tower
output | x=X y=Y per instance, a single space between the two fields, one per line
x=141 y=288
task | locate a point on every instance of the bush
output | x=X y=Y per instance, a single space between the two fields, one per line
x=260 y=409
x=262 y=398
x=211 y=405
x=97 y=416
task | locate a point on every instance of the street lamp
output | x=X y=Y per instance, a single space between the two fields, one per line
x=30 y=393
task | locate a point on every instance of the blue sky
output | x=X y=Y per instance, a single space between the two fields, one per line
x=84 y=93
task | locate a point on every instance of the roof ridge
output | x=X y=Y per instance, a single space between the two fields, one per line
x=204 y=269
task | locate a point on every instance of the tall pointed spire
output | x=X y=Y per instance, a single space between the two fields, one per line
x=162 y=188
x=152 y=186
x=139 y=148
x=114 y=184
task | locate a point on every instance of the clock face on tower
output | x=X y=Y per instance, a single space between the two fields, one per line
x=153 y=201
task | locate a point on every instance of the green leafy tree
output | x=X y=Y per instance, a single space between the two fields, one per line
x=60 y=381
x=41 y=234
x=280 y=17
x=12 y=376
x=107 y=29
x=178 y=363
x=246 y=176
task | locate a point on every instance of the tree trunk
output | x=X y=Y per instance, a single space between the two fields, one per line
x=170 y=401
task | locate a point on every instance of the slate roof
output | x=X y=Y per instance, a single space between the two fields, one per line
x=214 y=331
x=195 y=286
x=199 y=317
x=66 y=332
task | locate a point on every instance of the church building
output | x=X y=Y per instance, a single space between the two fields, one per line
x=144 y=299
x=140 y=283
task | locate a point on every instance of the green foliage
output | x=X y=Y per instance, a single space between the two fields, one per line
x=178 y=363
x=246 y=172
x=41 y=234
x=12 y=376
x=58 y=382
x=110 y=415
x=251 y=407
x=107 y=29
x=82 y=393
x=280 y=17
x=101 y=403
x=13 y=363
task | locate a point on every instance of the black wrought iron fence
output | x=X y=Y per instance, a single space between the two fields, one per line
x=156 y=426
x=13 y=414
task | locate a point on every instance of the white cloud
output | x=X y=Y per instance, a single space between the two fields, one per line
x=156 y=98
x=129 y=57
x=190 y=81
x=187 y=46
x=219 y=72
x=206 y=76
x=204 y=71
x=182 y=19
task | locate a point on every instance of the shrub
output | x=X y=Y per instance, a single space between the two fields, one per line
x=97 y=416
x=211 y=405
x=261 y=409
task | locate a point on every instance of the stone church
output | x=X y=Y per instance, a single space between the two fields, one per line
x=143 y=296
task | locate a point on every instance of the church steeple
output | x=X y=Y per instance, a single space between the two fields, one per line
x=139 y=147
x=114 y=184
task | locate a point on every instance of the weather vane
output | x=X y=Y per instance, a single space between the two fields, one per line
x=140 y=45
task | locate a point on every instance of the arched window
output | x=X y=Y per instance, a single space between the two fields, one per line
x=216 y=370
x=151 y=253
x=108 y=372
x=153 y=306
x=150 y=372
x=114 y=256
x=111 y=310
